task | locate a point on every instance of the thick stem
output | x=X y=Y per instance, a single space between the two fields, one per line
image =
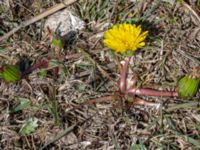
x=151 y=92
x=123 y=75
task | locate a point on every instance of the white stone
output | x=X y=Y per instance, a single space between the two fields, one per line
x=65 y=20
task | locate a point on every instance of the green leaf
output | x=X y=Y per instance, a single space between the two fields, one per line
x=24 y=103
x=29 y=126
x=198 y=127
x=140 y=146
x=57 y=42
x=42 y=72
x=54 y=63
x=188 y=87
x=170 y=123
x=11 y=73
x=192 y=141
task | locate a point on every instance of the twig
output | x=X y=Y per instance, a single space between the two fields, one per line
x=77 y=55
x=59 y=136
x=139 y=101
x=4 y=56
x=38 y=17
x=189 y=56
x=184 y=105
x=192 y=11
x=64 y=133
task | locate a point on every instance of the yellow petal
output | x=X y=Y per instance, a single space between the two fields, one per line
x=125 y=37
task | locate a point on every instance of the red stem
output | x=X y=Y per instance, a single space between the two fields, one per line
x=150 y=92
x=123 y=75
x=43 y=64
x=1 y=69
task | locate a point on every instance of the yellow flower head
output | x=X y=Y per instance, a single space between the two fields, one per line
x=124 y=37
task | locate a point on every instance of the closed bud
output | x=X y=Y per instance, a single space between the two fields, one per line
x=188 y=86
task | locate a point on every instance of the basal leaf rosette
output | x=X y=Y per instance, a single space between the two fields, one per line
x=125 y=38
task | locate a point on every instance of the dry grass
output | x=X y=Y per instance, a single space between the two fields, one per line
x=172 y=50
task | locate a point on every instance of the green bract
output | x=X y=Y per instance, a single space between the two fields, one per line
x=11 y=73
x=188 y=86
x=58 y=42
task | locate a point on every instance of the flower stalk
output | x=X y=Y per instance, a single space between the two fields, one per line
x=123 y=75
x=140 y=91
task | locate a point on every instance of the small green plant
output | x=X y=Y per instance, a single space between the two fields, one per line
x=13 y=73
x=29 y=126
x=24 y=103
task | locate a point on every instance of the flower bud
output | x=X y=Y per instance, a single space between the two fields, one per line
x=188 y=86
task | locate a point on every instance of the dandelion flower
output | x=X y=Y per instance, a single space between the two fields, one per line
x=125 y=37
